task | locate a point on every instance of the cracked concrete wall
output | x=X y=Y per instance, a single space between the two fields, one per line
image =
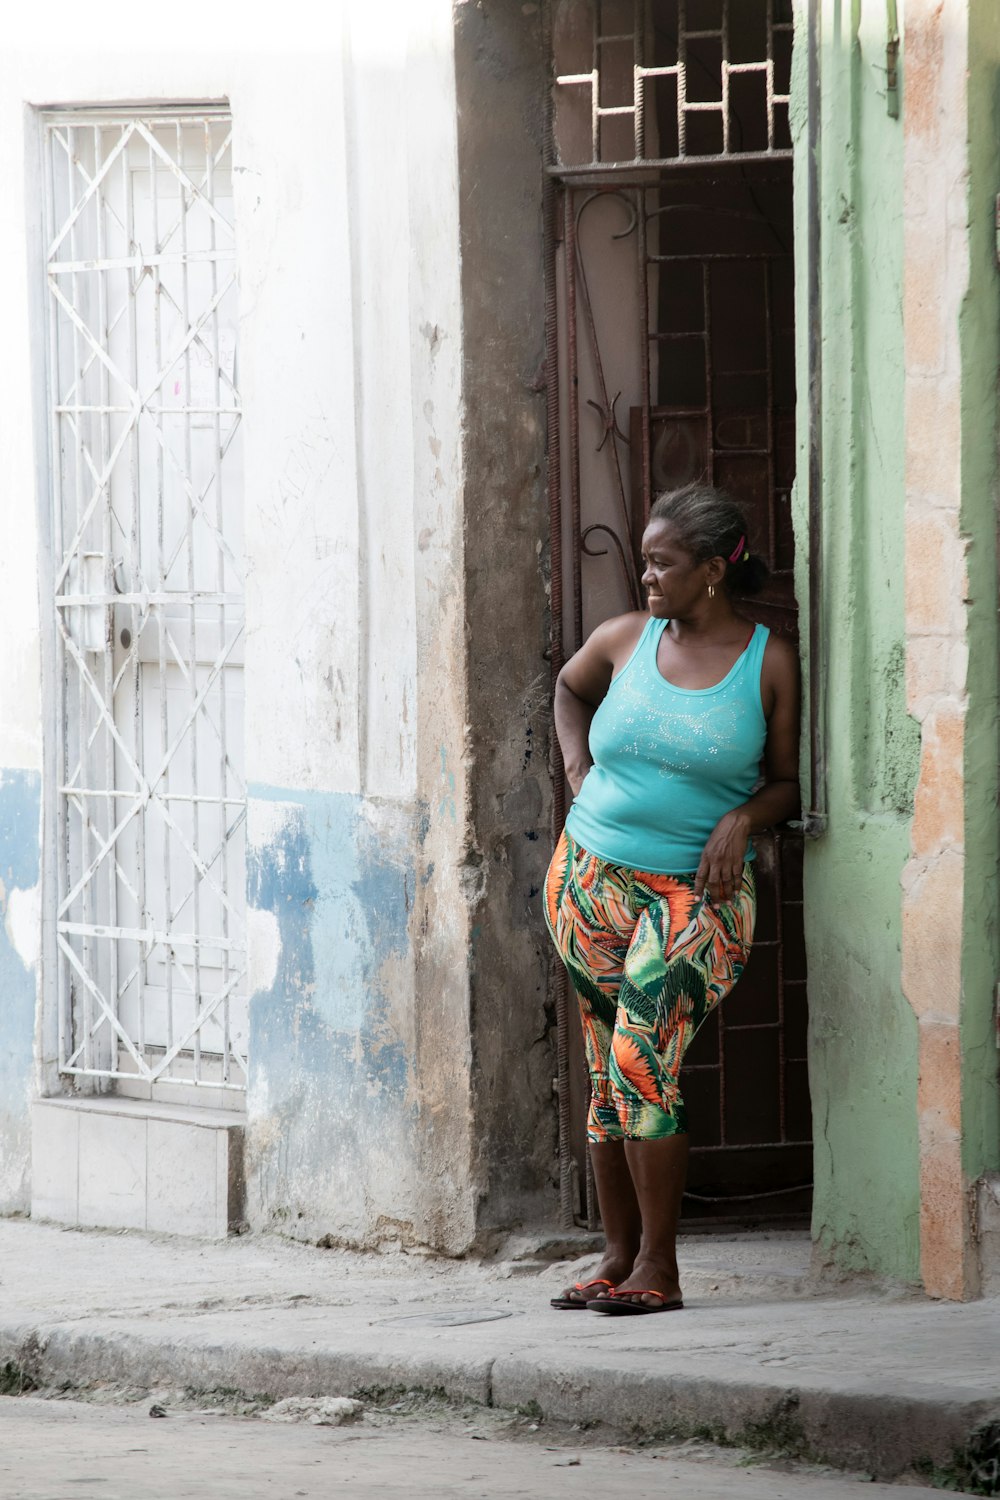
x=501 y=77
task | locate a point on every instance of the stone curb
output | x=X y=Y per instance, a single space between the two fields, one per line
x=844 y=1424
x=881 y=1432
x=88 y=1356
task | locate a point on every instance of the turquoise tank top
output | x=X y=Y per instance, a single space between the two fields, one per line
x=669 y=761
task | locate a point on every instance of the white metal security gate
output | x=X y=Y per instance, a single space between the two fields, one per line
x=147 y=540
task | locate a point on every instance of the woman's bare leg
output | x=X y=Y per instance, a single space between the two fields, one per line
x=658 y=1171
x=620 y=1216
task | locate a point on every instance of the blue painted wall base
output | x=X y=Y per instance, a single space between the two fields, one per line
x=20 y=808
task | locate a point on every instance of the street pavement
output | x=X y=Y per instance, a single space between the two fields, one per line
x=58 y=1450
x=763 y=1355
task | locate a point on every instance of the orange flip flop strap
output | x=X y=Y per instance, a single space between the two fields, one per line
x=638 y=1292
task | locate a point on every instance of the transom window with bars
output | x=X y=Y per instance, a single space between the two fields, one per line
x=685 y=80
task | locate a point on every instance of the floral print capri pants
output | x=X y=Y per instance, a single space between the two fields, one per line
x=648 y=960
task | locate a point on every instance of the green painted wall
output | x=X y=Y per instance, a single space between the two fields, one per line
x=980 y=346
x=863 y=1034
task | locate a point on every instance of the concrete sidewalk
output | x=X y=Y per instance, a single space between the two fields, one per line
x=760 y=1356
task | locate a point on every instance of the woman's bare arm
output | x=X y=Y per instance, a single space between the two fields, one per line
x=582 y=685
x=721 y=867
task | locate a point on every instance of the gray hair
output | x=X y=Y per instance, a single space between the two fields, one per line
x=708 y=523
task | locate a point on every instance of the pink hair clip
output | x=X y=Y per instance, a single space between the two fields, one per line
x=734 y=556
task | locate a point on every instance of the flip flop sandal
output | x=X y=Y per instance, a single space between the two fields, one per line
x=580 y=1286
x=621 y=1306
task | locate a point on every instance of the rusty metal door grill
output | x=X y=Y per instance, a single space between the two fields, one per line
x=148 y=603
x=670 y=358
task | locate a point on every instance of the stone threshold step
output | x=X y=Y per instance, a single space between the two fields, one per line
x=114 y=1163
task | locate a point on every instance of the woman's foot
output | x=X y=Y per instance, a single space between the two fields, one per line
x=651 y=1283
x=622 y=1224
x=606 y=1275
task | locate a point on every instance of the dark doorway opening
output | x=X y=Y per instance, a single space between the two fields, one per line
x=670 y=240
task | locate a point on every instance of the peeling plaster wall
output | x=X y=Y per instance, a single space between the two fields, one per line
x=346 y=189
x=863 y=1035
x=359 y=1113
x=20 y=802
x=950 y=928
x=20 y=670
x=501 y=79
x=980 y=331
x=902 y=893
x=937 y=279
x=334 y=1100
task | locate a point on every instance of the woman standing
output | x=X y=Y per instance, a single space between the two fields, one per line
x=664 y=719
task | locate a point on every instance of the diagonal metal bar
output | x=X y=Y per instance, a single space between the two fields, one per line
x=179 y=546
x=206 y=1013
x=167 y=297
x=181 y=175
x=196 y=502
x=181 y=664
x=85 y=454
x=99 y=351
x=192 y=334
x=75 y=162
x=92 y=833
x=108 y=1016
x=220 y=153
x=92 y=187
x=143 y=798
x=100 y=489
x=124 y=436
x=220 y=849
x=216 y=667
x=194 y=329
x=85 y=367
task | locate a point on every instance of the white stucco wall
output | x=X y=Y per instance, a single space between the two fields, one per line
x=345 y=167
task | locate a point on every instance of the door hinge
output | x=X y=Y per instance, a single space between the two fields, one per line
x=996 y=1014
x=996 y=220
x=891 y=59
x=892 y=77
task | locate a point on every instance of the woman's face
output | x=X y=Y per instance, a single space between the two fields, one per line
x=673 y=581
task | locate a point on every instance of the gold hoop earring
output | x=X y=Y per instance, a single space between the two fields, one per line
x=711 y=590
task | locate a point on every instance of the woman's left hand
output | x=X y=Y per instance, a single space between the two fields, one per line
x=721 y=870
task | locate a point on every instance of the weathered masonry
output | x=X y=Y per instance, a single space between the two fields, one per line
x=238 y=872
x=338 y=384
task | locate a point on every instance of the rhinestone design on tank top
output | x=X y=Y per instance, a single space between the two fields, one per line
x=669 y=761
